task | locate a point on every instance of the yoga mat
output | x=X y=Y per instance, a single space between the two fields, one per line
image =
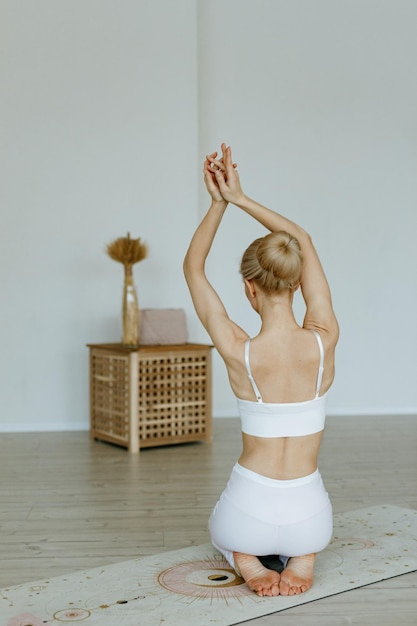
x=196 y=586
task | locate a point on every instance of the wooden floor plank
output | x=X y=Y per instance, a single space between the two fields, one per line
x=69 y=503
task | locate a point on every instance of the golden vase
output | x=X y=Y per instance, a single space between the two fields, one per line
x=130 y=310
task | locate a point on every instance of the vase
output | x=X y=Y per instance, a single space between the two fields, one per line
x=130 y=310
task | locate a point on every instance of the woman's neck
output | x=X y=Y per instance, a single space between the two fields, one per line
x=276 y=312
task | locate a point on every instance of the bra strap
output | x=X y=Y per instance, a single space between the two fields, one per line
x=249 y=371
x=321 y=366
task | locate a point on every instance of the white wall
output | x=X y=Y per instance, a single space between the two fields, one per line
x=108 y=109
x=319 y=100
x=99 y=138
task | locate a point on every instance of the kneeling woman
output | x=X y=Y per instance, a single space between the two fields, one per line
x=275 y=501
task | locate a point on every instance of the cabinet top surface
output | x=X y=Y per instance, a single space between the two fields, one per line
x=119 y=347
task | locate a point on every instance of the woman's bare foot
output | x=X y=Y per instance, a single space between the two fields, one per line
x=297 y=577
x=263 y=581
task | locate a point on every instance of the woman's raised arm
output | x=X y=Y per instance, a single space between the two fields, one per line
x=207 y=303
x=314 y=286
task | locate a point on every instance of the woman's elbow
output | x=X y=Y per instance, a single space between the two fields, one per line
x=186 y=265
x=304 y=238
x=192 y=271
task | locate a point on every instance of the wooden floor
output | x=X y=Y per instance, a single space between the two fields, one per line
x=68 y=503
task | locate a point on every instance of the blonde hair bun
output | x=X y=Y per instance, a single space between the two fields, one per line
x=275 y=262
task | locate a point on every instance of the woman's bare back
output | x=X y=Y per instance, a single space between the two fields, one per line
x=285 y=368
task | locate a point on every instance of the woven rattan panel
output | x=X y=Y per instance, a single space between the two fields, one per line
x=109 y=394
x=172 y=396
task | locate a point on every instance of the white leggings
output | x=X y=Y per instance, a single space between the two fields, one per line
x=262 y=516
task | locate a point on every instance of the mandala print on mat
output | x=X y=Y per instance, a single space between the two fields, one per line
x=212 y=578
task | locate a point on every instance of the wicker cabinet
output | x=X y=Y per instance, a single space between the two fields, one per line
x=150 y=395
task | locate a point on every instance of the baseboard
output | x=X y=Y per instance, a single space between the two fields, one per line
x=43 y=427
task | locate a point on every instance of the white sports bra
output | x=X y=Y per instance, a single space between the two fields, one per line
x=284 y=419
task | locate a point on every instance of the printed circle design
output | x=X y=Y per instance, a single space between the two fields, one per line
x=71 y=615
x=211 y=578
x=354 y=543
x=128 y=598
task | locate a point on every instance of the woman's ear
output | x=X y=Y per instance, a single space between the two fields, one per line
x=250 y=288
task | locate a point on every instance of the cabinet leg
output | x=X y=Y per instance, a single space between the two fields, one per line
x=133 y=403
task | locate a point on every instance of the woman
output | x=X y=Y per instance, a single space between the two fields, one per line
x=275 y=501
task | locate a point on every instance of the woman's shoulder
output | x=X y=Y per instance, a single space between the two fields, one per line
x=328 y=335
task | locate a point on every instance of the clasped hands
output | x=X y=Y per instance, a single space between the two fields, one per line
x=221 y=177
